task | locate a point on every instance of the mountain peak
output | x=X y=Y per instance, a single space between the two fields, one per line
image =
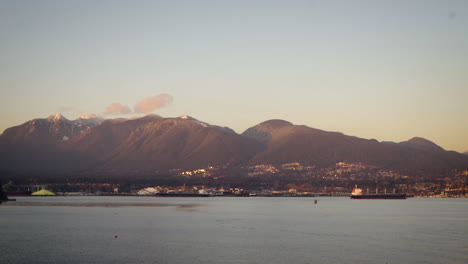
x=419 y=140
x=422 y=143
x=57 y=116
x=275 y=124
x=148 y=117
x=186 y=117
x=263 y=131
x=152 y=116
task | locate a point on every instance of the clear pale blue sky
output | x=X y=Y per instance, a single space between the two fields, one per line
x=388 y=70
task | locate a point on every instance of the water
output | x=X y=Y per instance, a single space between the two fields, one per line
x=233 y=230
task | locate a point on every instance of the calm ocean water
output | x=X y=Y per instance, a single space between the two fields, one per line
x=233 y=230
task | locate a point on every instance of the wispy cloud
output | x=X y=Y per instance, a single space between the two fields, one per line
x=117 y=109
x=145 y=106
x=152 y=103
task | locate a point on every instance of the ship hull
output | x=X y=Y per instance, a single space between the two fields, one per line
x=379 y=196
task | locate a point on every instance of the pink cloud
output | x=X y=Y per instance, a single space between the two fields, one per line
x=152 y=103
x=117 y=109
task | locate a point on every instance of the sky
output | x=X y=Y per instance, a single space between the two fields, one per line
x=387 y=70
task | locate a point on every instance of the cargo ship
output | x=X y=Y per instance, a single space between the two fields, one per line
x=357 y=194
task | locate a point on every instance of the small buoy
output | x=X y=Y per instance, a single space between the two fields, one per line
x=115 y=236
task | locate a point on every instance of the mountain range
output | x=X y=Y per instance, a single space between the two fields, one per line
x=153 y=143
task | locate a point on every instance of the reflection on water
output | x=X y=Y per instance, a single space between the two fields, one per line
x=233 y=230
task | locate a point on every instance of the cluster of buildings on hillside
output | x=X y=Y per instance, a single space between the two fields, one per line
x=343 y=170
x=292 y=179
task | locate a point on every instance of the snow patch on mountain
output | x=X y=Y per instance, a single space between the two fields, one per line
x=56 y=117
x=186 y=117
x=61 y=128
x=204 y=124
x=201 y=124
